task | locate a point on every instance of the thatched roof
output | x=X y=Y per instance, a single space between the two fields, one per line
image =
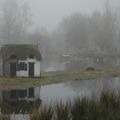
x=21 y=51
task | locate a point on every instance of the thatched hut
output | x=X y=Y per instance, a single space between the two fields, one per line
x=20 y=60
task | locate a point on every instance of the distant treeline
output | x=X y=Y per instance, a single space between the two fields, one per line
x=98 y=32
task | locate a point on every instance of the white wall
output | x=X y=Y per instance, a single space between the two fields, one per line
x=23 y=73
x=37 y=69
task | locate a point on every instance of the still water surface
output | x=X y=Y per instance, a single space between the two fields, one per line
x=63 y=91
x=74 y=89
x=56 y=92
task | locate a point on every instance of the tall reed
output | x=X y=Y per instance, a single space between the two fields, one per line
x=62 y=110
x=106 y=107
x=44 y=113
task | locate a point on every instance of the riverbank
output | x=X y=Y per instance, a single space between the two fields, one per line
x=7 y=83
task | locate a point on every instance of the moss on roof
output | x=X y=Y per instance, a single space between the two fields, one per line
x=20 y=50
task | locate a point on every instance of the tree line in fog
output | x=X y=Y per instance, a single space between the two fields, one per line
x=98 y=32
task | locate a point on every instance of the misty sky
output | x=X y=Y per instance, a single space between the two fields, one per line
x=48 y=13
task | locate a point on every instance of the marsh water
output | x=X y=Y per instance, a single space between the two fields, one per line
x=78 y=88
x=87 y=88
x=63 y=91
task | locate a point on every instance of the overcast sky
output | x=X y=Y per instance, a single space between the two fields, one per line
x=48 y=13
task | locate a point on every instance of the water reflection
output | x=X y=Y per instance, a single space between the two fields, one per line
x=56 y=92
x=27 y=94
x=63 y=91
x=95 y=87
x=78 y=88
x=20 y=100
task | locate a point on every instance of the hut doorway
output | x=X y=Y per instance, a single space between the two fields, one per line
x=31 y=69
x=12 y=69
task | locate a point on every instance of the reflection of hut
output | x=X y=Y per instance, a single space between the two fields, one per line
x=20 y=60
x=27 y=94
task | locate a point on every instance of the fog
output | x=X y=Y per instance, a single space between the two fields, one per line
x=48 y=13
x=61 y=27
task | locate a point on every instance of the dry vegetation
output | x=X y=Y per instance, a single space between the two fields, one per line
x=106 y=107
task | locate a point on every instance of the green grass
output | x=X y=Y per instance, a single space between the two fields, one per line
x=7 y=83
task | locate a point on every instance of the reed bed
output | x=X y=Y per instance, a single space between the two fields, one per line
x=106 y=107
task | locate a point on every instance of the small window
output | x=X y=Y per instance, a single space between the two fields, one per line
x=22 y=66
x=31 y=56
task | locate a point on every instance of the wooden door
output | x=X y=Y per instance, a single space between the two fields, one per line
x=31 y=69
x=12 y=69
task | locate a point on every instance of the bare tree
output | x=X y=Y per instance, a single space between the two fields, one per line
x=91 y=33
x=75 y=28
x=15 y=20
x=25 y=20
x=107 y=29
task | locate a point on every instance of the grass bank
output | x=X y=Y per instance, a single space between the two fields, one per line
x=7 y=83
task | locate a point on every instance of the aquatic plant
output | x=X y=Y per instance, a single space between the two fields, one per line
x=106 y=107
x=45 y=113
x=79 y=109
x=62 y=110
